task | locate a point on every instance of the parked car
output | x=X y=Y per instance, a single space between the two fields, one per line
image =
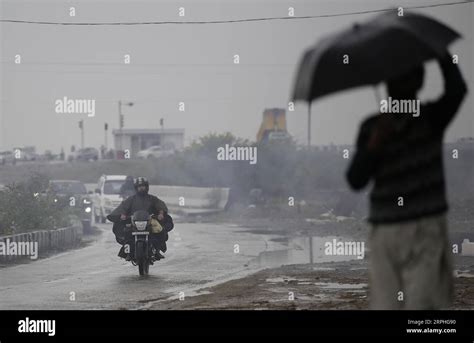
x=49 y=156
x=73 y=193
x=107 y=196
x=7 y=157
x=279 y=136
x=26 y=153
x=29 y=156
x=155 y=151
x=86 y=154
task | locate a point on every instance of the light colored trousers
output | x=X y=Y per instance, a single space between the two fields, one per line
x=410 y=265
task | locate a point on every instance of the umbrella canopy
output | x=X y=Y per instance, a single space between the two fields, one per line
x=366 y=54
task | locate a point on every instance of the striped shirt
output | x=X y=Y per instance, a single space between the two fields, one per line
x=408 y=170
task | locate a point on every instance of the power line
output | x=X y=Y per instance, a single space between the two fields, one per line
x=157 y=65
x=146 y=72
x=232 y=21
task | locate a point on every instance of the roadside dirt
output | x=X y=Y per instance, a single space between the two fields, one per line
x=327 y=286
x=319 y=286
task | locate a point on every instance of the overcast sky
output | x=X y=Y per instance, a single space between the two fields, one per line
x=189 y=63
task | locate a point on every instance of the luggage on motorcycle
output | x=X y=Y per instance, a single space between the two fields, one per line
x=155 y=226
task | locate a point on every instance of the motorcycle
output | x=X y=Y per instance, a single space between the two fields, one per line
x=140 y=228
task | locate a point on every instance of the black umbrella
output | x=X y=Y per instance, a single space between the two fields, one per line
x=387 y=46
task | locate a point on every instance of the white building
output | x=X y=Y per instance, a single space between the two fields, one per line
x=139 y=139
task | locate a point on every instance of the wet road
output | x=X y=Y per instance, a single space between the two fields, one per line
x=93 y=277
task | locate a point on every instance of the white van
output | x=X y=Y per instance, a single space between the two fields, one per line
x=107 y=196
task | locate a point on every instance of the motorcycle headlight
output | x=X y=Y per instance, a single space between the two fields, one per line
x=141 y=225
x=55 y=200
x=87 y=209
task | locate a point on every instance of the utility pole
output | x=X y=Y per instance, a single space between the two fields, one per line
x=121 y=121
x=106 y=127
x=120 y=125
x=81 y=126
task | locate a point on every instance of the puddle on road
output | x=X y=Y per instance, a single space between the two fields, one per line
x=303 y=250
x=286 y=279
x=326 y=285
x=337 y=285
x=325 y=269
x=463 y=274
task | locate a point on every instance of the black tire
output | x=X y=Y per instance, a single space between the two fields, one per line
x=146 y=267
x=141 y=269
x=140 y=257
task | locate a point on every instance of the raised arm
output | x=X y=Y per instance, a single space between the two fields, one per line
x=443 y=110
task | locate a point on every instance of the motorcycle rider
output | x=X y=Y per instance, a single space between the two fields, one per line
x=147 y=202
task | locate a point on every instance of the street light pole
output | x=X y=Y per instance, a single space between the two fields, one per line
x=106 y=127
x=121 y=122
x=120 y=125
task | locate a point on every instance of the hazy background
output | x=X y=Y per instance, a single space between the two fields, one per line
x=189 y=63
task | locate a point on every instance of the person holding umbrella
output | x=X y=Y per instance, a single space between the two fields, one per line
x=410 y=265
x=410 y=262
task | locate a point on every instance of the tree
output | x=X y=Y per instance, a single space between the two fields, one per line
x=209 y=143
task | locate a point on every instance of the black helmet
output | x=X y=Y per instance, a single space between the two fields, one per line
x=141 y=181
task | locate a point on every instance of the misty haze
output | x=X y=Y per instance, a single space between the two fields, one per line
x=158 y=155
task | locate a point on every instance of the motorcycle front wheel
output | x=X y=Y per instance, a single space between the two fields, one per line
x=141 y=258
